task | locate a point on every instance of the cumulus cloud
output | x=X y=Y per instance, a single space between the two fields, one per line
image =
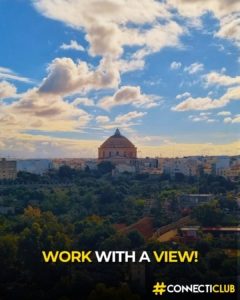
x=129 y=95
x=229 y=120
x=102 y=119
x=230 y=28
x=236 y=119
x=104 y=39
x=203 y=114
x=198 y=7
x=226 y=11
x=107 y=24
x=130 y=65
x=35 y=110
x=156 y=38
x=83 y=101
x=224 y=113
x=123 y=121
x=83 y=13
x=44 y=108
x=184 y=95
x=194 y=68
x=7 y=90
x=199 y=104
x=206 y=103
x=202 y=117
x=129 y=116
x=211 y=120
x=175 y=65
x=66 y=77
x=221 y=79
x=73 y=45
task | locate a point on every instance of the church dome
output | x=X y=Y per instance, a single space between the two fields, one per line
x=117 y=141
x=117 y=146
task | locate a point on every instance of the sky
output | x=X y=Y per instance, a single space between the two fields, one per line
x=166 y=73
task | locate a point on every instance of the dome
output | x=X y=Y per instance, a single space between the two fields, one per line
x=117 y=141
x=117 y=146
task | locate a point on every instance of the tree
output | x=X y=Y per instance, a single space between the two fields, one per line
x=66 y=173
x=136 y=239
x=208 y=215
x=105 y=167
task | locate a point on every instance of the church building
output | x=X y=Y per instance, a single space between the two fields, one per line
x=117 y=149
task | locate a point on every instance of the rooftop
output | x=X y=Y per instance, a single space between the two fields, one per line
x=117 y=141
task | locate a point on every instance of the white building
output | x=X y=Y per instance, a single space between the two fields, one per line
x=185 y=166
x=222 y=164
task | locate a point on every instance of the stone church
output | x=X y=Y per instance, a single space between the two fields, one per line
x=118 y=149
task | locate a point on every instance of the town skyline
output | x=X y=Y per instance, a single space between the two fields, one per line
x=165 y=72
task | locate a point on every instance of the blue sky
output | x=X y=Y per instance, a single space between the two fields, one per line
x=165 y=72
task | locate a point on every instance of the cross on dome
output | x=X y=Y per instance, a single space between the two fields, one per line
x=117 y=132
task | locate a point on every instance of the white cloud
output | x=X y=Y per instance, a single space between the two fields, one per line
x=221 y=79
x=156 y=38
x=7 y=90
x=83 y=101
x=107 y=24
x=226 y=11
x=130 y=65
x=203 y=114
x=202 y=117
x=65 y=77
x=123 y=121
x=211 y=120
x=227 y=120
x=129 y=116
x=84 y=13
x=230 y=28
x=8 y=74
x=224 y=113
x=35 y=110
x=198 y=7
x=194 y=68
x=129 y=95
x=235 y=119
x=207 y=103
x=175 y=65
x=184 y=95
x=197 y=119
x=199 y=104
x=102 y=119
x=73 y=45
x=5 y=70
